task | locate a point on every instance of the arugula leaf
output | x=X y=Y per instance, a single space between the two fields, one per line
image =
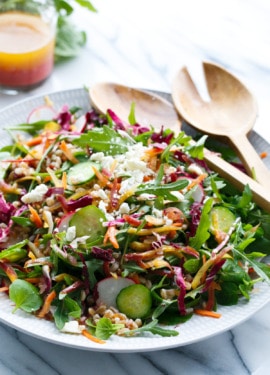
x=246 y=198
x=23 y=221
x=104 y=140
x=257 y=266
x=25 y=296
x=162 y=190
x=196 y=150
x=202 y=233
x=153 y=328
x=15 y=252
x=31 y=128
x=181 y=139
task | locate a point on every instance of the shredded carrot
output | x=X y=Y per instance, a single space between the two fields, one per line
x=210 y=314
x=47 y=144
x=47 y=179
x=263 y=154
x=88 y=335
x=47 y=304
x=34 y=141
x=110 y=236
x=103 y=180
x=34 y=217
x=68 y=153
x=197 y=181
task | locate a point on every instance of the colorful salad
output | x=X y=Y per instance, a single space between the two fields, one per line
x=108 y=227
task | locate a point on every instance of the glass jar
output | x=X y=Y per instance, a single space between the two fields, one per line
x=27 y=39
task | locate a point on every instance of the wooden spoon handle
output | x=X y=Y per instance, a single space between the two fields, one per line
x=251 y=160
x=260 y=194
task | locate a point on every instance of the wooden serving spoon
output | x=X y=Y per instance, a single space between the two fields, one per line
x=157 y=111
x=230 y=113
x=150 y=109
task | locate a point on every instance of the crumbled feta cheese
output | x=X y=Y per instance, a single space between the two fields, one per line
x=71 y=233
x=168 y=221
x=100 y=194
x=36 y=195
x=103 y=206
x=73 y=327
x=194 y=168
x=124 y=208
x=97 y=156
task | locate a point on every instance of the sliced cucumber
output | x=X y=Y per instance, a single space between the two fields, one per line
x=89 y=222
x=82 y=173
x=221 y=219
x=135 y=301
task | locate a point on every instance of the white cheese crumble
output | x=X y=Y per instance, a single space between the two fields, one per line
x=36 y=195
x=130 y=165
x=194 y=168
x=124 y=208
x=73 y=327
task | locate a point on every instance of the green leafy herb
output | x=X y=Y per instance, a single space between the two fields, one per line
x=196 y=149
x=104 y=140
x=131 y=117
x=25 y=296
x=202 y=233
x=153 y=328
x=69 y=40
x=181 y=139
x=14 y=253
x=66 y=308
x=162 y=190
x=105 y=328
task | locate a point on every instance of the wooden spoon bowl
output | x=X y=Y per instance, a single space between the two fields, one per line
x=150 y=109
x=230 y=114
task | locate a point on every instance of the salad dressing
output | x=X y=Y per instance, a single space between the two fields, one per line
x=26 y=50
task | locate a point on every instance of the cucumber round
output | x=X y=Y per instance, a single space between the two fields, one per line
x=221 y=219
x=89 y=222
x=135 y=301
x=81 y=173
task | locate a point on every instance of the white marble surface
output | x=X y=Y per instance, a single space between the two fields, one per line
x=143 y=43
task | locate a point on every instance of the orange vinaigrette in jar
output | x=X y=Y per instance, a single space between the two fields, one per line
x=26 y=50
